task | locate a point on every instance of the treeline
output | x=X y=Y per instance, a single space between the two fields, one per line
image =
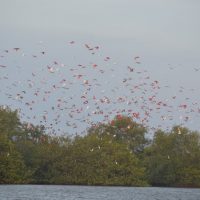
x=117 y=153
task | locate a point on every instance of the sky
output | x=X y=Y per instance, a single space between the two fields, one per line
x=163 y=33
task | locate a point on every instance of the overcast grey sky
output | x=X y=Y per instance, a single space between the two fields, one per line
x=166 y=26
x=162 y=32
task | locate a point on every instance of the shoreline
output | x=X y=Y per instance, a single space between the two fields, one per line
x=117 y=186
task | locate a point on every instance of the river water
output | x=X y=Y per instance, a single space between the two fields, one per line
x=59 y=192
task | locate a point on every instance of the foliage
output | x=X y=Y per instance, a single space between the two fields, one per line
x=12 y=167
x=94 y=160
x=117 y=153
x=123 y=129
x=173 y=159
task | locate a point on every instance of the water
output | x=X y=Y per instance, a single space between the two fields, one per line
x=46 y=192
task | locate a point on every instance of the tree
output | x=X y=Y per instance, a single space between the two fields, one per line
x=9 y=122
x=123 y=129
x=173 y=159
x=12 y=168
x=94 y=160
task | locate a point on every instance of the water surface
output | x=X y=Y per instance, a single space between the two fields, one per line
x=52 y=192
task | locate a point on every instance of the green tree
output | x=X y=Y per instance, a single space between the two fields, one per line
x=12 y=168
x=173 y=159
x=9 y=122
x=39 y=152
x=94 y=160
x=123 y=129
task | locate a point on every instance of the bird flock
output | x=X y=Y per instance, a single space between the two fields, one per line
x=68 y=93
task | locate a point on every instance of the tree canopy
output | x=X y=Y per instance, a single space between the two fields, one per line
x=114 y=153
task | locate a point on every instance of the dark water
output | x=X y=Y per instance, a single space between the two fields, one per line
x=44 y=192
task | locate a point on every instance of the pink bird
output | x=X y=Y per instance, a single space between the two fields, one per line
x=16 y=49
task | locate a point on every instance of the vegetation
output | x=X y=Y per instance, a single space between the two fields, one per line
x=117 y=153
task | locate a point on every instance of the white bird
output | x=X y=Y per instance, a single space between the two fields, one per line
x=179 y=131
